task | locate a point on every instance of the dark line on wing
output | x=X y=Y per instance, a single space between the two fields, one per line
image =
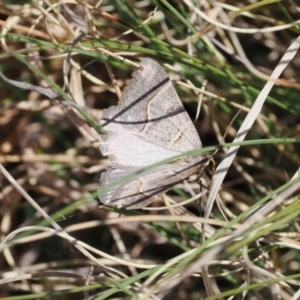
x=111 y=120
x=139 y=99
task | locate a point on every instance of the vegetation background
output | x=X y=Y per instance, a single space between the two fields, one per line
x=216 y=53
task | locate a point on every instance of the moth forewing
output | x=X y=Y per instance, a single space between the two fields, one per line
x=149 y=125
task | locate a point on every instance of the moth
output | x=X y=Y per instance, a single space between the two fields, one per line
x=148 y=125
